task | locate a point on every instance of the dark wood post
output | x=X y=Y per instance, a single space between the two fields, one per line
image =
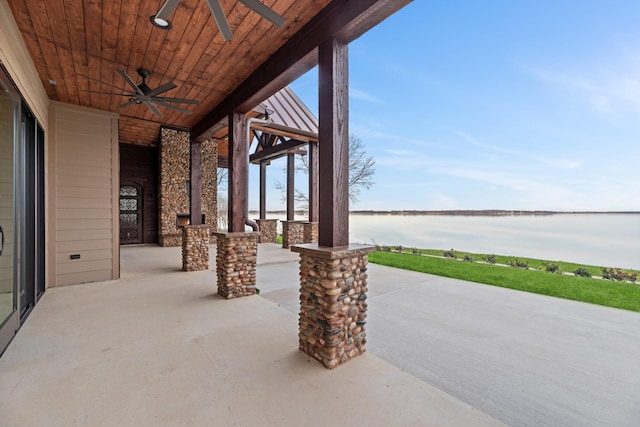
x=333 y=111
x=291 y=163
x=238 y=166
x=195 y=161
x=263 y=190
x=313 y=181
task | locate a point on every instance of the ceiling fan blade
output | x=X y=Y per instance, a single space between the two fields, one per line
x=153 y=108
x=133 y=84
x=265 y=11
x=106 y=93
x=178 y=100
x=99 y=81
x=221 y=20
x=173 y=107
x=126 y=104
x=161 y=89
x=167 y=9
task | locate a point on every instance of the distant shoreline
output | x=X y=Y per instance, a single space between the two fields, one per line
x=481 y=212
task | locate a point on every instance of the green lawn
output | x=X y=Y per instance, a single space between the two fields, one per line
x=603 y=292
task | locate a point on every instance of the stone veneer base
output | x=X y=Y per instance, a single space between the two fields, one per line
x=268 y=230
x=298 y=232
x=333 y=307
x=170 y=240
x=236 y=258
x=195 y=247
x=309 y=232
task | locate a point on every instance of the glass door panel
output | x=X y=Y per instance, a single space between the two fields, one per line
x=130 y=214
x=8 y=109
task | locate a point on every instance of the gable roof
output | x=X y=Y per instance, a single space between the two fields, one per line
x=290 y=117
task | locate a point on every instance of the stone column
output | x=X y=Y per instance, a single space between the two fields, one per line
x=236 y=263
x=333 y=307
x=268 y=230
x=310 y=232
x=195 y=247
x=173 y=174
x=292 y=233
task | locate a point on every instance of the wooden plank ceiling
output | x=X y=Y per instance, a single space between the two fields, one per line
x=70 y=38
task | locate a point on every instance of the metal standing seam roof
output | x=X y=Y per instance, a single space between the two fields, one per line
x=290 y=114
x=290 y=118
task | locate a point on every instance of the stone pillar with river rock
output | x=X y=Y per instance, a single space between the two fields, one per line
x=333 y=302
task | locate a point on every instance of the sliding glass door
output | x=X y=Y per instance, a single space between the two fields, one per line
x=22 y=213
x=31 y=283
x=9 y=104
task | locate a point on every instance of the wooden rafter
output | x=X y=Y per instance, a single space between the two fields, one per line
x=276 y=150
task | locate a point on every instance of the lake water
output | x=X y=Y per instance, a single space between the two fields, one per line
x=602 y=239
x=611 y=240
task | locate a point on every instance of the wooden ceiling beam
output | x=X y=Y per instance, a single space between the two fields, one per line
x=223 y=162
x=342 y=19
x=278 y=150
x=287 y=132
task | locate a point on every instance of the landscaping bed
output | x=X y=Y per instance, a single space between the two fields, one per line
x=553 y=278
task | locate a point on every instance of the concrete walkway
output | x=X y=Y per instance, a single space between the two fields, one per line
x=525 y=359
x=159 y=348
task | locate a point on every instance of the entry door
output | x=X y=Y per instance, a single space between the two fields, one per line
x=8 y=235
x=130 y=214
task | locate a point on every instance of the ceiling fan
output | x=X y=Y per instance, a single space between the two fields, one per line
x=161 y=19
x=144 y=94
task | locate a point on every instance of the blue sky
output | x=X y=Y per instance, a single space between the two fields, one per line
x=495 y=105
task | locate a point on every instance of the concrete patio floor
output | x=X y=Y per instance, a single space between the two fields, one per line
x=159 y=347
x=525 y=359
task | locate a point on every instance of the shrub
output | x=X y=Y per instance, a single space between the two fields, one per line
x=386 y=248
x=415 y=251
x=581 y=272
x=516 y=263
x=449 y=254
x=490 y=259
x=618 y=275
x=400 y=249
x=552 y=268
x=468 y=258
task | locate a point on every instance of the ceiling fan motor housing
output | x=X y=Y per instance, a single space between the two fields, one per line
x=143 y=86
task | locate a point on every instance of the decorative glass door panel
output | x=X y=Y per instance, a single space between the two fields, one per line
x=130 y=214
